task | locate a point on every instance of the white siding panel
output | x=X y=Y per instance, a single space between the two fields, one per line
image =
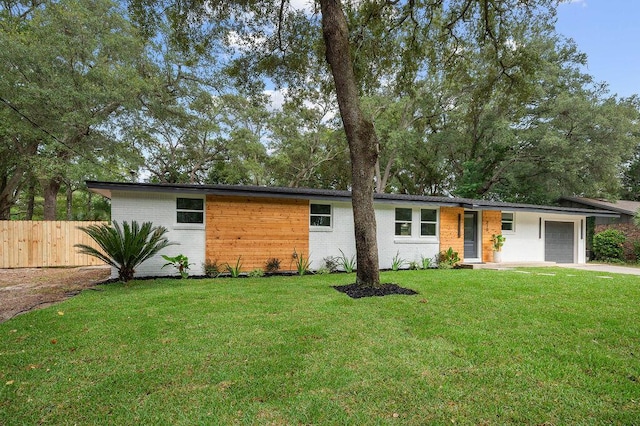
x=160 y=209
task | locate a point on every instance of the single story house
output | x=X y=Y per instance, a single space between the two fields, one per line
x=225 y=222
x=624 y=208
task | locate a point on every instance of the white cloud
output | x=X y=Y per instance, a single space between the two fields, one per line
x=246 y=44
x=277 y=98
x=582 y=3
x=304 y=5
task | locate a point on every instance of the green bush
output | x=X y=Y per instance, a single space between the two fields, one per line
x=180 y=262
x=125 y=247
x=608 y=245
x=256 y=273
x=448 y=259
x=636 y=250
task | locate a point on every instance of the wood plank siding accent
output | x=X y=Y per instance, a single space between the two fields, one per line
x=452 y=229
x=257 y=229
x=39 y=244
x=491 y=224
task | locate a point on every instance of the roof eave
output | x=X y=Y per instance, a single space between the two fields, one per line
x=106 y=189
x=599 y=205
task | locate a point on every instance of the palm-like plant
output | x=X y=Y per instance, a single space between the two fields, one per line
x=127 y=247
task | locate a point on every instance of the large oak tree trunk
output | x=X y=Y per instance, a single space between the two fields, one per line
x=51 y=187
x=69 y=194
x=361 y=136
x=31 y=199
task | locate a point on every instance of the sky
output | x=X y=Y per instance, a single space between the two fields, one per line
x=608 y=31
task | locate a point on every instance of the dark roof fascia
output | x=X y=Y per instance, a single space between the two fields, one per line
x=415 y=199
x=599 y=205
x=106 y=188
x=551 y=210
x=534 y=208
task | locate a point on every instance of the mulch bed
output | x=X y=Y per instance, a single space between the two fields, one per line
x=356 y=292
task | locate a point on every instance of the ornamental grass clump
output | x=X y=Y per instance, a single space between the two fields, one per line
x=348 y=263
x=302 y=263
x=234 y=271
x=125 y=247
x=397 y=262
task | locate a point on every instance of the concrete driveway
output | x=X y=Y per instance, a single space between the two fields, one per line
x=601 y=267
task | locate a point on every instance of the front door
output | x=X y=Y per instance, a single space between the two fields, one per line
x=470 y=235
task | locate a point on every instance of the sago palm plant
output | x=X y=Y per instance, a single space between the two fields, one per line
x=125 y=247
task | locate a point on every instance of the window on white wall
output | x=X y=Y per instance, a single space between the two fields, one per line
x=320 y=215
x=190 y=210
x=428 y=222
x=403 y=222
x=508 y=221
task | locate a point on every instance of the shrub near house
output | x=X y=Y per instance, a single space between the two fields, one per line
x=608 y=245
x=631 y=235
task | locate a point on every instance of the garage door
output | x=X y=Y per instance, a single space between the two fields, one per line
x=558 y=242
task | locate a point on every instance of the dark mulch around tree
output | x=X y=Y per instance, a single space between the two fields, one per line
x=356 y=292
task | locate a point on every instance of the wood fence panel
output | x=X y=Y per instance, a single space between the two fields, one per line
x=35 y=244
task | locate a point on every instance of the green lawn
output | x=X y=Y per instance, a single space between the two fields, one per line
x=474 y=347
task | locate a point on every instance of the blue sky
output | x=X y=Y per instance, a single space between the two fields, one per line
x=608 y=31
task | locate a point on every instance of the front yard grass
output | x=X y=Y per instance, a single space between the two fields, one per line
x=551 y=346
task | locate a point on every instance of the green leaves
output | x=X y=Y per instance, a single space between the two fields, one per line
x=125 y=247
x=180 y=262
x=69 y=69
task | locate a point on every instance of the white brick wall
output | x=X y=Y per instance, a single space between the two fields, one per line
x=160 y=208
x=526 y=242
x=523 y=244
x=410 y=249
x=329 y=242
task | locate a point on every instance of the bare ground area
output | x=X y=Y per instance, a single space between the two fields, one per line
x=25 y=289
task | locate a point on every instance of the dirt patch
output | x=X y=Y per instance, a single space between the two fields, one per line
x=25 y=289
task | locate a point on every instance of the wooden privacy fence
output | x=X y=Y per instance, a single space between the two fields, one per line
x=34 y=244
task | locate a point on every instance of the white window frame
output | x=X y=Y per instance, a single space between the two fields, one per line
x=400 y=222
x=430 y=222
x=329 y=215
x=179 y=210
x=512 y=222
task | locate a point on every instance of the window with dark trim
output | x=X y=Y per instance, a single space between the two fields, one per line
x=320 y=215
x=403 y=222
x=428 y=222
x=190 y=210
x=508 y=221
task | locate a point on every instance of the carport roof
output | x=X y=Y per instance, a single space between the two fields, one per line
x=107 y=188
x=625 y=207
